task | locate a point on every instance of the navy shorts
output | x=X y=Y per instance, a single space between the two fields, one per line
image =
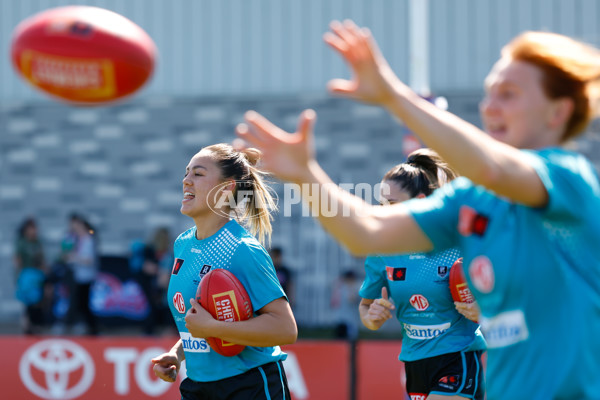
x=448 y=374
x=267 y=382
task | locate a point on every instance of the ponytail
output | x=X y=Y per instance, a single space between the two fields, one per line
x=242 y=168
x=422 y=173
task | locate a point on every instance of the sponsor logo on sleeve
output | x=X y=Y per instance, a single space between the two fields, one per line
x=177 y=266
x=192 y=344
x=425 y=332
x=471 y=223
x=419 y=302
x=395 y=274
x=505 y=329
x=418 y=396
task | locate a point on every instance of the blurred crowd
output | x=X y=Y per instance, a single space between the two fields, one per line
x=65 y=295
x=70 y=294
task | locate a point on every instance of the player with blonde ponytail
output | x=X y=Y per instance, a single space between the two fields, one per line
x=222 y=189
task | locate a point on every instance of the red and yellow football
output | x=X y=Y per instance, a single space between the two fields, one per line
x=458 y=284
x=226 y=299
x=83 y=55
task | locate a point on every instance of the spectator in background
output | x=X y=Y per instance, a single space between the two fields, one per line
x=151 y=263
x=82 y=259
x=344 y=300
x=31 y=275
x=284 y=274
x=162 y=247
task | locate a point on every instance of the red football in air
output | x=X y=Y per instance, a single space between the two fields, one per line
x=83 y=55
x=225 y=298
x=458 y=284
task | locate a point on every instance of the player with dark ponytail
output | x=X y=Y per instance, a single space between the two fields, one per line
x=441 y=348
x=222 y=189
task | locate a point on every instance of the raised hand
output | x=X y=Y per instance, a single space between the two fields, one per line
x=287 y=155
x=379 y=311
x=373 y=80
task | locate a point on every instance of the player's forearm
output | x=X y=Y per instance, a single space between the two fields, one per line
x=346 y=217
x=470 y=151
x=262 y=331
x=177 y=349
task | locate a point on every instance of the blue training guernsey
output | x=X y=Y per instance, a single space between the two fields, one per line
x=418 y=285
x=535 y=273
x=234 y=249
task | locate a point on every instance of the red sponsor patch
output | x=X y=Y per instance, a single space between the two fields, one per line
x=179 y=303
x=177 y=266
x=470 y=222
x=482 y=274
x=395 y=274
x=419 y=302
x=418 y=396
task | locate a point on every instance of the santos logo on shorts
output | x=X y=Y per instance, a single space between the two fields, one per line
x=192 y=344
x=424 y=332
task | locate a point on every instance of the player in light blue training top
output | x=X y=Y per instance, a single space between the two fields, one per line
x=525 y=213
x=441 y=348
x=218 y=182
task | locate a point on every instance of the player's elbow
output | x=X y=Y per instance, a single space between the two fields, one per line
x=289 y=333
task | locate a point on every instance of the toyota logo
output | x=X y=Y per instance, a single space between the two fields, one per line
x=46 y=368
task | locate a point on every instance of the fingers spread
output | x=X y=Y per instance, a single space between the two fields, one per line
x=246 y=137
x=306 y=123
x=335 y=42
x=261 y=127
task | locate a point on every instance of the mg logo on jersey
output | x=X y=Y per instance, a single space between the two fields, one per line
x=179 y=303
x=482 y=274
x=419 y=302
x=67 y=369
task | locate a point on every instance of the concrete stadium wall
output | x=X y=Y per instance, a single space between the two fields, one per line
x=122 y=167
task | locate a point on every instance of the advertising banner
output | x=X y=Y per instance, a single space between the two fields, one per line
x=379 y=373
x=119 y=367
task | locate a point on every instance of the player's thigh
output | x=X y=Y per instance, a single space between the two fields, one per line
x=441 y=397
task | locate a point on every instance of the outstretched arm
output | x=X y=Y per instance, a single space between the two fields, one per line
x=474 y=154
x=361 y=227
